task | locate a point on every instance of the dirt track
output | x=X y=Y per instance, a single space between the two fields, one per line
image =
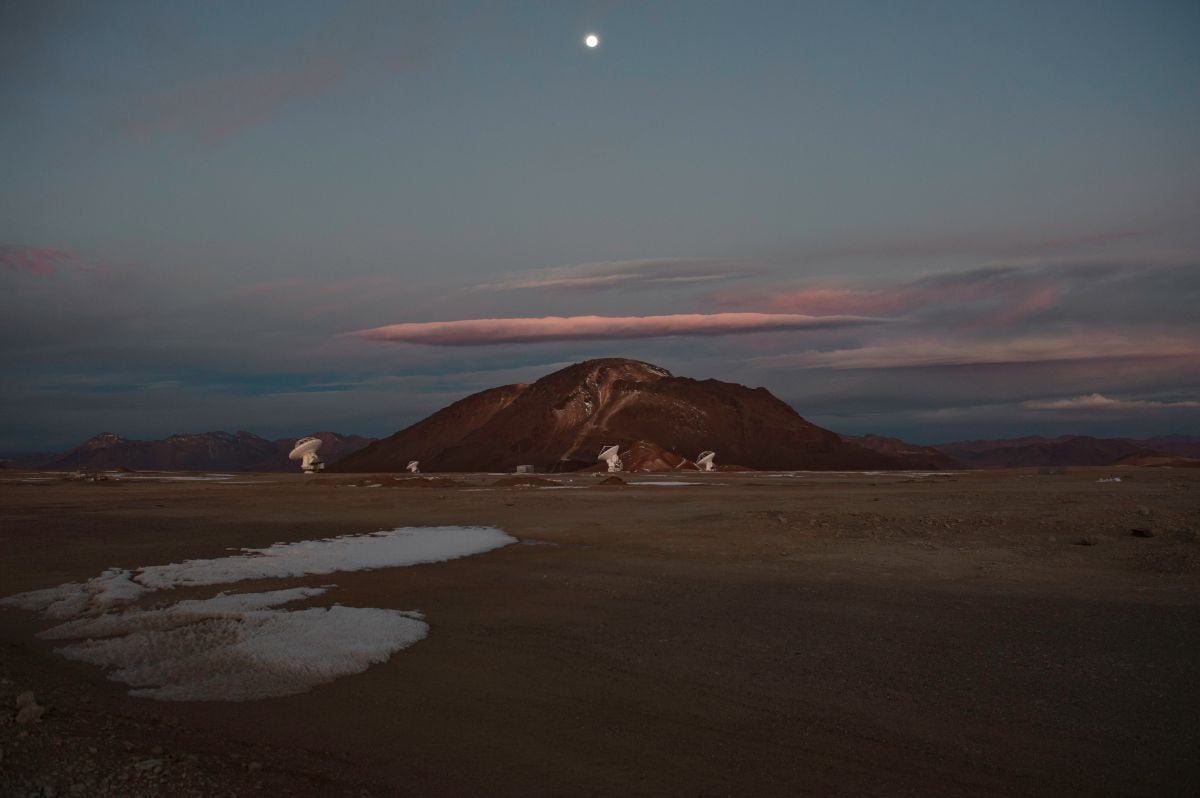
x=814 y=634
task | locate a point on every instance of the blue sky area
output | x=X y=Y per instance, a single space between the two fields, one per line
x=935 y=220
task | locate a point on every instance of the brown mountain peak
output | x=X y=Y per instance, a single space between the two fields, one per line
x=561 y=421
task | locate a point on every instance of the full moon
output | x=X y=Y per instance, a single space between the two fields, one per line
x=591 y=40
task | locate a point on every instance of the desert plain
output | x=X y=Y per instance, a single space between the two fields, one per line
x=818 y=633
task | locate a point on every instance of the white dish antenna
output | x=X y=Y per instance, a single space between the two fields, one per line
x=414 y=466
x=705 y=461
x=609 y=454
x=306 y=452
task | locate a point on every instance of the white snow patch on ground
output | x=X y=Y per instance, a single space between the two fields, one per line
x=237 y=647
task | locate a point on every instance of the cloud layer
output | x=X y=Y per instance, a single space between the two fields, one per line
x=477 y=332
x=622 y=275
x=1098 y=401
x=1047 y=346
x=995 y=295
x=928 y=354
x=34 y=260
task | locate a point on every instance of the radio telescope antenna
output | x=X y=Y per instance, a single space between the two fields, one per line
x=414 y=466
x=306 y=452
x=609 y=455
x=705 y=460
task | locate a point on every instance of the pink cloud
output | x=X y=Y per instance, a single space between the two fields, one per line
x=35 y=260
x=940 y=353
x=563 y=283
x=995 y=295
x=629 y=274
x=1098 y=401
x=472 y=332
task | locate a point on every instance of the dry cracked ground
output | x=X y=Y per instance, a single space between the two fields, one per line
x=981 y=633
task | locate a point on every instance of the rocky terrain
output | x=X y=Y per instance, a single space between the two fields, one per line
x=561 y=422
x=991 y=632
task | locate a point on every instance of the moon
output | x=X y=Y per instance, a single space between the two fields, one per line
x=591 y=40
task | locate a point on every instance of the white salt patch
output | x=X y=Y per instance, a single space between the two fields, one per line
x=402 y=546
x=235 y=647
x=398 y=547
x=114 y=586
x=158 y=476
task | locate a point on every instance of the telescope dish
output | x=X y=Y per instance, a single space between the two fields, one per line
x=705 y=460
x=610 y=455
x=304 y=446
x=306 y=452
x=414 y=466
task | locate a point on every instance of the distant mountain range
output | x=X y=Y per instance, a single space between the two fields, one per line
x=203 y=451
x=917 y=457
x=659 y=421
x=1070 y=450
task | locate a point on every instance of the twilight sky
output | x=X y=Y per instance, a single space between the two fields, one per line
x=935 y=220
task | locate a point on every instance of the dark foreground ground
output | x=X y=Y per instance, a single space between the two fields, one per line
x=828 y=634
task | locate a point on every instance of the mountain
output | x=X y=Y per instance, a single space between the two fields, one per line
x=203 y=451
x=561 y=422
x=26 y=461
x=1179 y=445
x=1065 y=450
x=1159 y=461
x=924 y=458
x=188 y=452
x=441 y=432
x=965 y=450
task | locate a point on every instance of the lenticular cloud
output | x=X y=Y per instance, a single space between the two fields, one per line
x=476 y=332
x=237 y=647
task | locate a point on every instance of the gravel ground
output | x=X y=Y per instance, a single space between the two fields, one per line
x=1000 y=633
